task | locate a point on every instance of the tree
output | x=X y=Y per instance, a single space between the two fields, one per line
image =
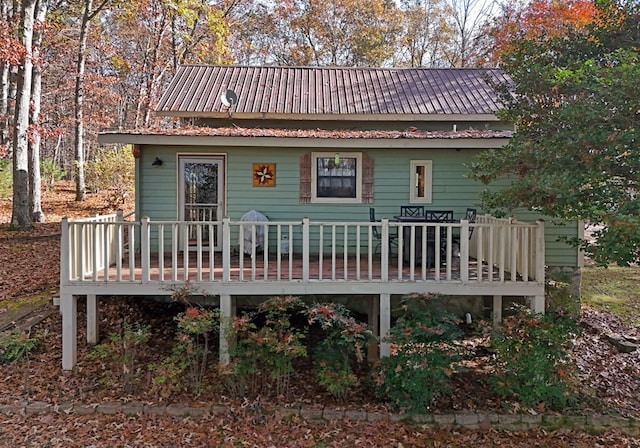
x=335 y=32
x=574 y=155
x=21 y=212
x=468 y=17
x=427 y=33
x=11 y=52
x=534 y=20
x=89 y=12
x=35 y=184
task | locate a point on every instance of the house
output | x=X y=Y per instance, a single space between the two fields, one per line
x=310 y=152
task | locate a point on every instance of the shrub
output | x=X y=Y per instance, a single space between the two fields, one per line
x=50 y=173
x=341 y=348
x=262 y=355
x=15 y=345
x=111 y=171
x=188 y=364
x=192 y=349
x=423 y=356
x=122 y=348
x=533 y=366
x=6 y=177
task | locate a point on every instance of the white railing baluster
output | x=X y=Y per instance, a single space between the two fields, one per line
x=358 y=250
x=345 y=252
x=305 y=249
x=320 y=251
x=161 y=252
x=145 y=248
x=175 y=233
x=198 y=251
x=384 y=253
x=212 y=258
x=95 y=250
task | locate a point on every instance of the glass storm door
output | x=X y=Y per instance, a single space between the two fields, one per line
x=200 y=198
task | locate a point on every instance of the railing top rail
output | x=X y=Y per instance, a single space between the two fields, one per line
x=97 y=218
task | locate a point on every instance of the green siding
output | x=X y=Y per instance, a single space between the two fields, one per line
x=156 y=187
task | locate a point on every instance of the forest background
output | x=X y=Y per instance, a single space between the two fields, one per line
x=70 y=68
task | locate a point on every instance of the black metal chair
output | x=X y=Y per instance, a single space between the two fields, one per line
x=470 y=215
x=411 y=210
x=438 y=215
x=393 y=238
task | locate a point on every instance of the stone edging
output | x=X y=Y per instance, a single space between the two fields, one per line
x=479 y=420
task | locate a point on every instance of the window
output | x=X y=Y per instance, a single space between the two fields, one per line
x=336 y=177
x=421 y=181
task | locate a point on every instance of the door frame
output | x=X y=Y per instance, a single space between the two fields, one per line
x=221 y=158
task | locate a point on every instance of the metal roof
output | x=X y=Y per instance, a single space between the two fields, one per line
x=330 y=92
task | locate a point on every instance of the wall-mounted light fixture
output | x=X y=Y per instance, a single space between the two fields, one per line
x=158 y=162
x=336 y=158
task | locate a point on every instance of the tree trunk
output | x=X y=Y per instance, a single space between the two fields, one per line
x=4 y=88
x=79 y=102
x=36 y=95
x=4 y=105
x=21 y=213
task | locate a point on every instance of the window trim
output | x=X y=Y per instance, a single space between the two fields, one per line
x=428 y=182
x=314 y=178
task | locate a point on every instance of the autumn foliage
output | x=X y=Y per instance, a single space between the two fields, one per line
x=537 y=20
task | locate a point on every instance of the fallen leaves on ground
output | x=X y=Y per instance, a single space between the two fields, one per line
x=29 y=263
x=70 y=431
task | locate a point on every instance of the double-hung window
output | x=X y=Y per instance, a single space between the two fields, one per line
x=336 y=177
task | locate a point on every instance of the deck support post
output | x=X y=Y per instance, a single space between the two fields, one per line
x=537 y=304
x=69 y=310
x=373 y=317
x=92 y=319
x=497 y=309
x=226 y=313
x=385 y=323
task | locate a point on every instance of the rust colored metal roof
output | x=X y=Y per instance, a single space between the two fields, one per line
x=330 y=92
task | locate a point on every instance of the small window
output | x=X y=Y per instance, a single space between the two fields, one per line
x=336 y=177
x=421 y=181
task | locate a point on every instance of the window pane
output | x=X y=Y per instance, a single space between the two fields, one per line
x=420 y=181
x=336 y=177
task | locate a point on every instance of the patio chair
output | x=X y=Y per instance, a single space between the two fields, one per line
x=411 y=210
x=393 y=238
x=470 y=215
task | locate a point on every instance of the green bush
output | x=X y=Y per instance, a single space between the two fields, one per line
x=121 y=352
x=188 y=365
x=112 y=172
x=342 y=347
x=6 y=178
x=193 y=346
x=262 y=355
x=50 y=173
x=533 y=366
x=15 y=345
x=423 y=356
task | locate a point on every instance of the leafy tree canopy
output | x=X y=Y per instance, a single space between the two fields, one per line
x=576 y=103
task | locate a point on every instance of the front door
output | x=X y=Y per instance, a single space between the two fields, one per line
x=200 y=195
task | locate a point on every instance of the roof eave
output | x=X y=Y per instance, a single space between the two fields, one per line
x=490 y=117
x=296 y=142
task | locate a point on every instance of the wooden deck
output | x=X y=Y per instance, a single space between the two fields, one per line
x=107 y=256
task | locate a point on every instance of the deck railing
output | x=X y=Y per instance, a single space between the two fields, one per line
x=490 y=250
